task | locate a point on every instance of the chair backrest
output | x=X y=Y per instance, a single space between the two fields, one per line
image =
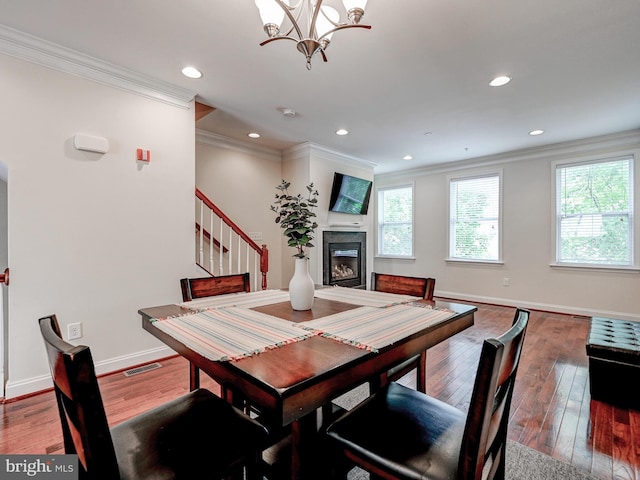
x=416 y=286
x=84 y=423
x=485 y=434
x=210 y=286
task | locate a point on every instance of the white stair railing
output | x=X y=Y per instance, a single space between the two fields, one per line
x=222 y=248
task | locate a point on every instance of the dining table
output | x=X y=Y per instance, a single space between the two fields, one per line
x=289 y=365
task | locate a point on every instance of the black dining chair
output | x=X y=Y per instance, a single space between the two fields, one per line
x=417 y=287
x=195 y=436
x=399 y=433
x=210 y=286
x=402 y=285
x=193 y=288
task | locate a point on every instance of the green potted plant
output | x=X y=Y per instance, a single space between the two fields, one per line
x=295 y=215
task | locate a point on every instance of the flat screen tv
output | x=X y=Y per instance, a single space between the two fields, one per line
x=350 y=194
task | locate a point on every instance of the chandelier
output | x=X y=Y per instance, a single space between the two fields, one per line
x=311 y=24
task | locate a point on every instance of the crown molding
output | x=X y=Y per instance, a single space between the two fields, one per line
x=41 y=52
x=216 y=140
x=603 y=144
x=306 y=149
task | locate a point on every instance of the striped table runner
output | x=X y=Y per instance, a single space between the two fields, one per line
x=367 y=298
x=226 y=334
x=373 y=328
x=243 y=299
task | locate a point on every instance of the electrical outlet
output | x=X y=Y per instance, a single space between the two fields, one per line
x=505 y=282
x=74 y=331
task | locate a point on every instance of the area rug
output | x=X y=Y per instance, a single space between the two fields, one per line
x=523 y=463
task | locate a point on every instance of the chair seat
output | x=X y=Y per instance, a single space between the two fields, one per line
x=155 y=444
x=403 y=432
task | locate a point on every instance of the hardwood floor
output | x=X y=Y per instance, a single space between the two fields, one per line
x=551 y=411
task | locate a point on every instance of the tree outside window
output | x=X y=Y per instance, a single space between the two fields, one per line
x=594 y=212
x=395 y=221
x=474 y=218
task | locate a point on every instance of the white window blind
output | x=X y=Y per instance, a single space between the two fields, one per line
x=474 y=218
x=594 y=213
x=395 y=221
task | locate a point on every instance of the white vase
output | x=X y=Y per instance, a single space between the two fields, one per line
x=301 y=288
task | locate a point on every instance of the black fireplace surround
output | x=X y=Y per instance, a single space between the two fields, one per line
x=344 y=259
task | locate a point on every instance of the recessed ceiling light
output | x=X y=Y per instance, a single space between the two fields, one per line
x=407 y=157
x=191 y=72
x=253 y=135
x=500 y=81
x=533 y=133
x=342 y=131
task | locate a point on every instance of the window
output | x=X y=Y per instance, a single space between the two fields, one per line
x=474 y=218
x=594 y=213
x=395 y=221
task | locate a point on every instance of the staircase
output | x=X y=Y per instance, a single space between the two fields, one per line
x=222 y=248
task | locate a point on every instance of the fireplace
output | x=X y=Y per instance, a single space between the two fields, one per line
x=344 y=261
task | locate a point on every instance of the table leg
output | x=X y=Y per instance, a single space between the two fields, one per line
x=304 y=437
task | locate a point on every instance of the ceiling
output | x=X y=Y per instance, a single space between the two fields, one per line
x=416 y=83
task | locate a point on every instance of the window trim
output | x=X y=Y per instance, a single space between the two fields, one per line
x=470 y=175
x=378 y=246
x=635 y=204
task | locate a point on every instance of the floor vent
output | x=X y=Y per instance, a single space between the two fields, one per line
x=142 y=369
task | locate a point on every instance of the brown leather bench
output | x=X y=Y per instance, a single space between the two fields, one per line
x=613 y=348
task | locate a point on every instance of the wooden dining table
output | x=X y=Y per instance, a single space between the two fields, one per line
x=289 y=383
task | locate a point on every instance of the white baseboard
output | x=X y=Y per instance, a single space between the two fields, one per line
x=547 y=307
x=43 y=382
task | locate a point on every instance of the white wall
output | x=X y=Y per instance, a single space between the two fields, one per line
x=307 y=163
x=241 y=181
x=247 y=194
x=92 y=237
x=527 y=237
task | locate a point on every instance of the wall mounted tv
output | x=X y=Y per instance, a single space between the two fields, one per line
x=350 y=194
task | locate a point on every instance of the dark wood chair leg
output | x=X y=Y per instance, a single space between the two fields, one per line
x=194 y=377
x=327 y=414
x=376 y=383
x=421 y=372
x=501 y=471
